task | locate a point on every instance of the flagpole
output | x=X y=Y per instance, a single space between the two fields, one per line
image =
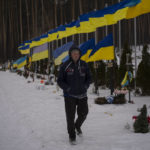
x=106 y=32
x=79 y=39
x=52 y=50
x=57 y=43
x=106 y=5
x=49 y=52
x=73 y=34
x=135 y=56
x=73 y=37
x=61 y=42
x=87 y=36
x=95 y=67
x=120 y=39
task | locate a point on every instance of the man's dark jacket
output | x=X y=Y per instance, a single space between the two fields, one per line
x=74 y=78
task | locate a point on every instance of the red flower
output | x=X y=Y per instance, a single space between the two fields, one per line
x=135 y=117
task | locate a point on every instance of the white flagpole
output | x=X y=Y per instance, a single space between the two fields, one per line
x=120 y=50
x=79 y=38
x=106 y=31
x=135 y=44
x=61 y=42
x=87 y=36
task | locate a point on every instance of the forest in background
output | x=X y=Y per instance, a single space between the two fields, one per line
x=22 y=20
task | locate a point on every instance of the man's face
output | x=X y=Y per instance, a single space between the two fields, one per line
x=75 y=55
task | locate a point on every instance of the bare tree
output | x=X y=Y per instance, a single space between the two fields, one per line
x=21 y=31
x=27 y=9
x=55 y=12
x=4 y=33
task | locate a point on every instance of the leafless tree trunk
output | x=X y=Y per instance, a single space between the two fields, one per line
x=81 y=12
x=4 y=32
x=27 y=9
x=33 y=19
x=21 y=32
x=55 y=12
x=11 y=29
x=42 y=16
x=36 y=17
x=73 y=10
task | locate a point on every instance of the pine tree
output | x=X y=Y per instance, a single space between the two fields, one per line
x=101 y=73
x=112 y=80
x=143 y=72
x=98 y=74
x=94 y=75
x=141 y=123
x=123 y=67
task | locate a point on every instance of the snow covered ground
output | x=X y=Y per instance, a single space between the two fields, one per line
x=33 y=119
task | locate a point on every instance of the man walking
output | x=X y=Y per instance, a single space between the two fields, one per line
x=74 y=78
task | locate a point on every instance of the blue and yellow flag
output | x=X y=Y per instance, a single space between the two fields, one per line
x=70 y=29
x=104 y=50
x=65 y=59
x=43 y=39
x=19 y=63
x=25 y=49
x=86 y=49
x=22 y=62
x=52 y=35
x=86 y=23
x=128 y=77
x=40 y=52
x=34 y=42
x=112 y=14
x=60 y=53
x=83 y=25
x=141 y=8
x=61 y=32
x=25 y=43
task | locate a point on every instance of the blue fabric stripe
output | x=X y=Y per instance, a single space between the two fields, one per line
x=109 y=10
x=62 y=49
x=86 y=46
x=65 y=59
x=24 y=48
x=21 y=60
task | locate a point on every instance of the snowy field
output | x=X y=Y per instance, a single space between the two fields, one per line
x=34 y=119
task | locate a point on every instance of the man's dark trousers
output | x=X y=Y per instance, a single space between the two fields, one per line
x=71 y=104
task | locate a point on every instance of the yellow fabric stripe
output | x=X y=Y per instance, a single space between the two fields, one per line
x=27 y=51
x=105 y=53
x=14 y=65
x=109 y=18
x=22 y=64
x=41 y=55
x=86 y=56
x=139 y=9
x=125 y=79
x=52 y=37
x=85 y=27
x=58 y=60
x=42 y=41
x=71 y=31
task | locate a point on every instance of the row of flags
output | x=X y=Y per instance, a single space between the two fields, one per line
x=103 y=50
x=89 y=22
x=37 y=48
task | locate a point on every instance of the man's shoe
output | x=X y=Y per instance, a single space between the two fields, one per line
x=72 y=141
x=79 y=131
